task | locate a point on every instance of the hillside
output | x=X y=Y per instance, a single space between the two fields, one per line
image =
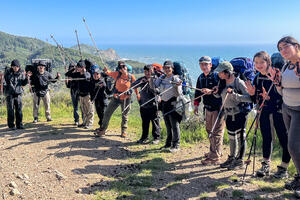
x=25 y=48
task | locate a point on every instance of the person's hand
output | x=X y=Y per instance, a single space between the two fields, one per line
x=229 y=90
x=29 y=73
x=207 y=91
x=297 y=69
x=250 y=88
x=105 y=69
x=179 y=83
x=138 y=97
x=274 y=75
x=264 y=94
x=215 y=90
x=196 y=110
x=58 y=74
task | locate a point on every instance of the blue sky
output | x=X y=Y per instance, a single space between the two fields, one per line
x=155 y=21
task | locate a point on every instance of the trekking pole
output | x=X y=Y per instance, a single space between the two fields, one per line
x=183 y=105
x=78 y=44
x=256 y=119
x=133 y=87
x=98 y=51
x=62 y=50
x=156 y=97
x=219 y=114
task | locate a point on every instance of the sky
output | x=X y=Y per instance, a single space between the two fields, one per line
x=189 y=22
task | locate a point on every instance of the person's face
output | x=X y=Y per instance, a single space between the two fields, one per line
x=287 y=50
x=96 y=76
x=260 y=65
x=148 y=72
x=222 y=75
x=41 y=68
x=15 y=68
x=123 y=68
x=205 y=67
x=168 y=70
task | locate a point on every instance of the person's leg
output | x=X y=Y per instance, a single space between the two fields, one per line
x=265 y=129
x=75 y=100
x=46 y=100
x=90 y=111
x=83 y=110
x=209 y=122
x=112 y=106
x=10 y=112
x=175 y=131
x=169 y=131
x=36 y=103
x=156 y=129
x=19 y=114
x=125 y=107
x=145 y=123
x=217 y=135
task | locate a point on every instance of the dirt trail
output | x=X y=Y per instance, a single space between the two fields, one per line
x=47 y=161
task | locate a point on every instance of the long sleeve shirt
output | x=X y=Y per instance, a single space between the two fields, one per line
x=84 y=86
x=14 y=82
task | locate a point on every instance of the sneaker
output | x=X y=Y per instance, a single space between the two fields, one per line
x=35 y=120
x=228 y=162
x=209 y=161
x=236 y=164
x=20 y=127
x=294 y=184
x=281 y=173
x=12 y=128
x=49 y=120
x=123 y=135
x=87 y=127
x=297 y=193
x=155 y=141
x=141 y=141
x=264 y=170
x=99 y=133
x=76 y=123
x=174 y=149
x=165 y=147
x=206 y=155
x=81 y=125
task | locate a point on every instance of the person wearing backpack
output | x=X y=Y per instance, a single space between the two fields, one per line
x=74 y=91
x=212 y=105
x=123 y=82
x=170 y=88
x=270 y=110
x=84 y=89
x=149 y=112
x=98 y=94
x=233 y=95
x=15 y=79
x=288 y=84
x=40 y=82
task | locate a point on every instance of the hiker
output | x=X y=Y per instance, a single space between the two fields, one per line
x=84 y=94
x=289 y=86
x=233 y=94
x=123 y=80
x=40 y=82
x=212 y=105
x=149 y=112
x=74 y=91
x=168 y=103
x=270 y=117
x=15 y=79
x=98 y=94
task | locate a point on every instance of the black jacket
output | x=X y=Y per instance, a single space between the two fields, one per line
x=83 y=85
x=275 y=102
x=40 y=82
x=98 y=88
x=14 y=82
x=211 y=103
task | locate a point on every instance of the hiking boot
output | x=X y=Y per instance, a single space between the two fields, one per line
x=206 y=155
x=49 y=120
x=174 y=149
x=35 y=120
x=76 y=123
x=165 y=147
x=228 y=162
x=294 y=184
x=155 y=141
x=87 y=127
x=236 y=164
x=99 y=133
x=264 y=170
x=141 y=141
x=210 y=161
x=81 y=125
x=20 y=127
x=297 y=193
x=281 y=173
x=12 y=128
x=123 y=135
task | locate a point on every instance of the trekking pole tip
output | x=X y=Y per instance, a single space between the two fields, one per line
x=83 y=19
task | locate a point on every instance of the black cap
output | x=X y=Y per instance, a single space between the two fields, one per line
x=121 y=62
x=148 y=67
x=42 y=63
x=71 y=66
x=168 y=63
x=15 y=62
x=81 y=64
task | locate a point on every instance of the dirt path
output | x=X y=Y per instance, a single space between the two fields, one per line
x=48 y=161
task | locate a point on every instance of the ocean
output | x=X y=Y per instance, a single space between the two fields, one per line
x=188 y=54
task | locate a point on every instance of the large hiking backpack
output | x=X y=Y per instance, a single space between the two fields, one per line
x=181 y=70
x=244 y=69
x=278 y=61
x=215 y=62
x=34 y=64
x=158 y=69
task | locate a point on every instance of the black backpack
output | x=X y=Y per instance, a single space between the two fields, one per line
x=181 y=70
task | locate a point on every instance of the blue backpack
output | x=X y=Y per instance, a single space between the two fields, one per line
x=181 y=70
x=215 y=62
x=244 y=69
x=278 y=61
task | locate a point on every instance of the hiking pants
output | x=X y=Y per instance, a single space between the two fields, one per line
x=100 y=108
x=75 y=102
x=267 y=119
x=36 y=104
x=173 y=131
x=150 y=115
x=87 y=110
x=216 y=137
x=112 y=106
x=14 y=108
x=291 y=117
x=236 y=128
